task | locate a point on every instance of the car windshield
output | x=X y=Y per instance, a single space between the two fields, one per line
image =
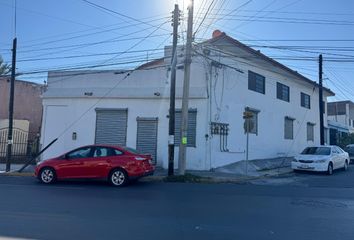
x=317 y=151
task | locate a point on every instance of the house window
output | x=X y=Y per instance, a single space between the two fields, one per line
x=192 y=127
x=256 y=82
x=289 y=128
x=310 y=131
x=305 y=101
x=253 y=121
x=283 y=92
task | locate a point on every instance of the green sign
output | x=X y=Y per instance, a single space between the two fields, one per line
x=184 y=140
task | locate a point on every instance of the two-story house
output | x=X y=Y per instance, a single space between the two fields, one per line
x=227 y=78
x=340 y=119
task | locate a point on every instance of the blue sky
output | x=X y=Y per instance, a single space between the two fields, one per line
x=71 y=33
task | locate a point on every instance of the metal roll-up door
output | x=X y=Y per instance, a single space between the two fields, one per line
x=111 y=126
x=146 y=141
x=192 y=127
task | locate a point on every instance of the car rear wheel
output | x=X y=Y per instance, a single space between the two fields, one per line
x=330 y=169
x=118 y=177
x=47 y=175
x=345 y=168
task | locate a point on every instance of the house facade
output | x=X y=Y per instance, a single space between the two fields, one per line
x=27 y=103
x=340 y=119
x=227 y=78
x=27 y=119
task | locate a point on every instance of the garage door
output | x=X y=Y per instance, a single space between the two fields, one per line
x=111 y=126
x=147 y=136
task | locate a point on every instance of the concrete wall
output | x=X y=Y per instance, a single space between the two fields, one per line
x=219 y=97
x=229 y=98
x=27 y=103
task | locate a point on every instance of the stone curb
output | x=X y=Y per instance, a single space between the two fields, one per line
x=218 y=179
x=18 y=174
x=241 y=179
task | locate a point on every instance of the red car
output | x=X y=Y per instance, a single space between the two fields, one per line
x=116 y=164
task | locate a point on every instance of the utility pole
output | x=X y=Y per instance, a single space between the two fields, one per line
x=185 y=99
x=320 y=94
x=11 y=107
x=171 y=128
x=247 y=115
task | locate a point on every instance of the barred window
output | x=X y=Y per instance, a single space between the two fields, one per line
x=289 y=128
x=192 y=127
x=256 y=82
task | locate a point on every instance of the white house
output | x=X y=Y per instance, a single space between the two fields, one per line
x=131 y=107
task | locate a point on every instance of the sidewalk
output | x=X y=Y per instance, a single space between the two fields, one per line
x=237 y=172
x=16 y=167
x=233 y=173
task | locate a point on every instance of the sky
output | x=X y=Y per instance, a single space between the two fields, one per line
x=111 y=34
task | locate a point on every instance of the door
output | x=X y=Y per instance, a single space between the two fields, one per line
x=146 y=141
x=336 y=158
x=100 y=164
x=341 y=157
x=111 y=126
x=72 y=166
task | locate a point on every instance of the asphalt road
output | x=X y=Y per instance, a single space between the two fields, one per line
x=298 y=206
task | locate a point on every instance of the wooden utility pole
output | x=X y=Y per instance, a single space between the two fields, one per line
x=171 y=129
x=187 y=69
x=11 y=108
x=320 y=94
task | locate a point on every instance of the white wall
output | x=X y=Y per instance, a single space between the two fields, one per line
x=67 y=110
x=59 y=118
x=229 y=98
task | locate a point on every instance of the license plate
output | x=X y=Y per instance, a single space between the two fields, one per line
x=305 y=166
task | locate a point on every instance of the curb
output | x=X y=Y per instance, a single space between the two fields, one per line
x=216 y=179
x=18 y=174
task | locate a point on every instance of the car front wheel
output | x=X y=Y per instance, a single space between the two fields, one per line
x=330 y=169
x=118 y=177
x=345 y=168
x=47 y=175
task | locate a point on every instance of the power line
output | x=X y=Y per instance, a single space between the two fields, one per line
x=206 y=13
x=112 y=40
x=85 y=55
x=87 y=34
x=120 y=14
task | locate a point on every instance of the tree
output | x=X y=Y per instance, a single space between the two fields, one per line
x=4 y=67
x=345 y=139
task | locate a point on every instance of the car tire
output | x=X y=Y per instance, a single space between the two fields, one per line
x=330 y=169
x=118 y=177
x=47 y=175
x=345 y=168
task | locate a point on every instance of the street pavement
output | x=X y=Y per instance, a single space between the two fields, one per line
x=293 y=206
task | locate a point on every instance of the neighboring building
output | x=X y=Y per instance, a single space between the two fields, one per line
x=27 y=103
x=27 y=118
x=227 y=78
x=340 y=119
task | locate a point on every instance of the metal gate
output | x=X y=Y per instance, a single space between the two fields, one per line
x=111 y=126
x=25 y=145
x=146 y=141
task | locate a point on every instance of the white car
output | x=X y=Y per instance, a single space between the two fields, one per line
x=321 y=159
